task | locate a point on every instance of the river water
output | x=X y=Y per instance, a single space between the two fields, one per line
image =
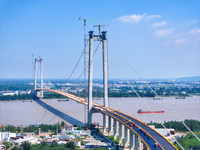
x=26 y=113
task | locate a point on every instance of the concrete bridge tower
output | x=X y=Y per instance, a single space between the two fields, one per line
x=38 y=93
x=102 y=37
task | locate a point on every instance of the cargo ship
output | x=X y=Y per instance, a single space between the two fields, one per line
x=140 y=111
x=179 y=97
x=62 y=100
x=157 y=98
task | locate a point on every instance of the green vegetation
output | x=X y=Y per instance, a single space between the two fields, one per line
x=54 y=146
x=16 y=97
x=26 y=145
x=44 y=146
x=194 y=125
x=189 y=142
x=32 y=128
x=8 y=145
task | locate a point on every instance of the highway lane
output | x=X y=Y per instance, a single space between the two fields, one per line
x=137 y=130
x=141 y=129
x=160 y=139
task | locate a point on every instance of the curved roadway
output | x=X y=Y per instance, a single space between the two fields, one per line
x=148 y=135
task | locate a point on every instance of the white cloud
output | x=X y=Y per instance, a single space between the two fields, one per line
x=195 y=31
x=134 y=18
x=159 y=24
x=195 y=21
x=150 y=17
x=163 y=32
x=180 y=41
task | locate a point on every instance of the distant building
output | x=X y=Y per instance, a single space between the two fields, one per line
x=76 y=142
x=76 y=132
x=32 y=140
x=65 y=137
x=9 y=93
x=184 y=92
x=5 y=136
x=164 y=132
x=96 y=145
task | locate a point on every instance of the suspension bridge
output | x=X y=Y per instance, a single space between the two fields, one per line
x=136 y=134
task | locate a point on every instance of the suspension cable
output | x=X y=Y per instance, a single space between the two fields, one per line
x=45 y=73
x=141 y=98
x=77 y=62
x=155 y=92
x=88 y=64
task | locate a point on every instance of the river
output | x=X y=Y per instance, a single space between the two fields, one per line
x=26 y=113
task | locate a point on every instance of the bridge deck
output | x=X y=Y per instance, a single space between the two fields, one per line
x=141 y=129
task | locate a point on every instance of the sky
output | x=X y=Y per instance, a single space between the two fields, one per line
x=160 y=39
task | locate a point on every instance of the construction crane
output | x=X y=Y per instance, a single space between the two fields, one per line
x=85 y=62
x=100 y=27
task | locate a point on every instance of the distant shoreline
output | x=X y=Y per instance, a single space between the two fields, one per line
x=102 y=98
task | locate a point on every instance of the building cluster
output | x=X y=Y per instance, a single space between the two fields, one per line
x=91 y=140
x=12 y=92
x=162 y=87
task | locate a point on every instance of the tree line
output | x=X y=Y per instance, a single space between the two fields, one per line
x=32 y=128
x=194 y=125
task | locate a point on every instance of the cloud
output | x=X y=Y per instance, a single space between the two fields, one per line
x=134 y=18
x=163 y=32
x=181 y=41
x=195 y=21
x=195 y=31
x=150 y=17
x=159 y=24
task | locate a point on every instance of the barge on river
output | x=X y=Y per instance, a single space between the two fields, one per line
x=140 y=111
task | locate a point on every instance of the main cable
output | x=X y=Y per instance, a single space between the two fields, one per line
x=77 y=62
x=88 y=64
x=155 y=93
x=141 y=99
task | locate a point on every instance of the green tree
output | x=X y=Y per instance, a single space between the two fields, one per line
x=17 y=148
x=63 y=124
x=18 y=129
x=83 y=142
x=70 y=145
x=26 y=145
x=54 y=144
x=8 y=145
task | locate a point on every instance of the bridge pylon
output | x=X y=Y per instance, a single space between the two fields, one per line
x=102 y=37
x=38 y=93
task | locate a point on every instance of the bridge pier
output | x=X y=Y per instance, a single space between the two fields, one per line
x=136 y=142
x=120 y=133
x=132 y=138
x=126 y=136
x=105 y=118
x=115 y=128
x=144 y=147
x=110 y=125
